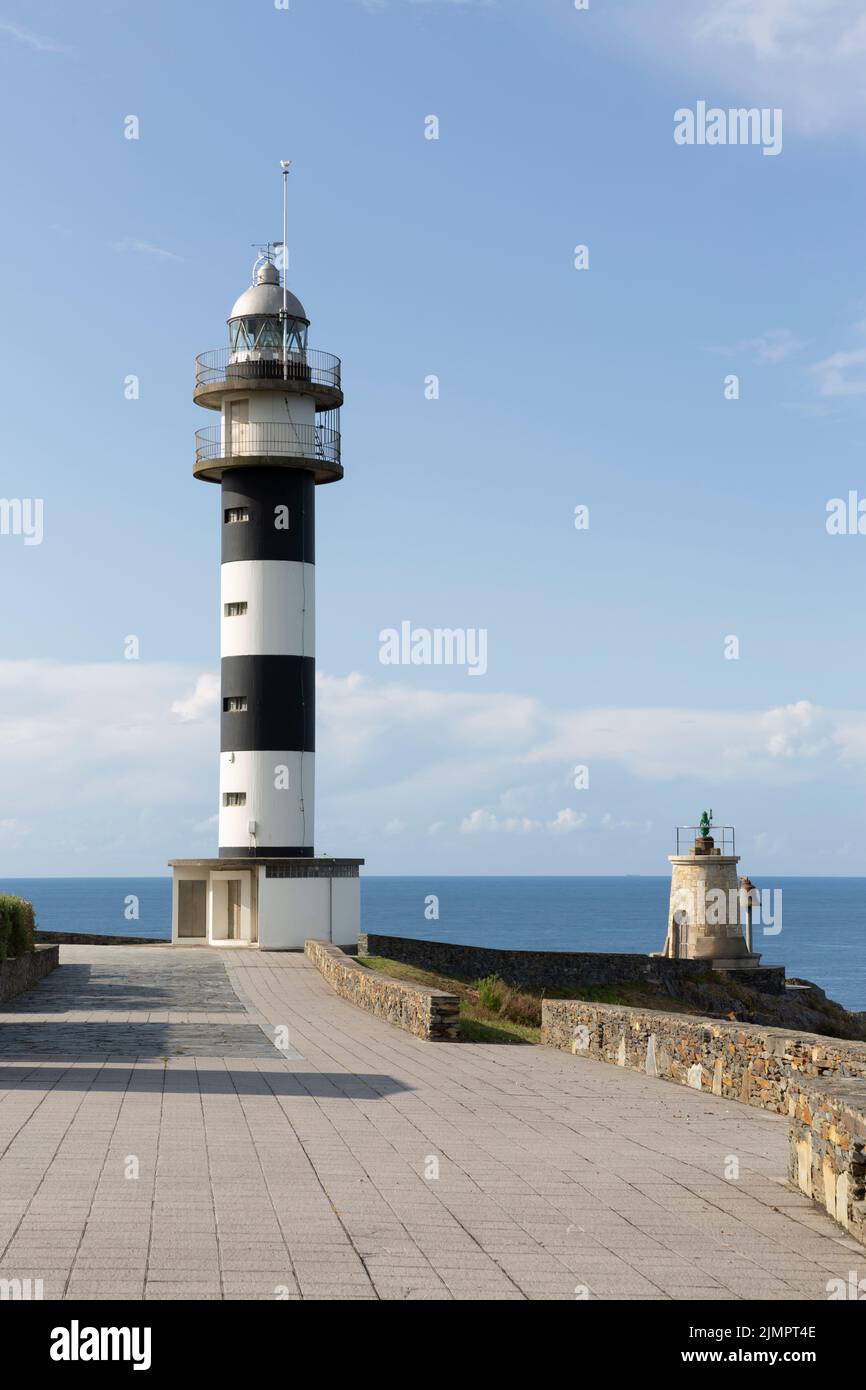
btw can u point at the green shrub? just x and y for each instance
(520, 1007)
(17, 925)
(490, 993)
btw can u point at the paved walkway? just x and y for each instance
(156, 1143)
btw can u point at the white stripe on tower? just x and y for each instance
(268, 608)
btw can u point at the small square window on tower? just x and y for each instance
(234, 704)
(235, 610)
(234, 798)
(233, 514)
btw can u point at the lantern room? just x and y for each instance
(258, 328)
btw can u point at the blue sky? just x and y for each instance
(558, 387)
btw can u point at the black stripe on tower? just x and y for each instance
(257, 493)
(280, 696)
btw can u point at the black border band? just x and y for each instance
(280, 692)
(259, 491)
(265, 852)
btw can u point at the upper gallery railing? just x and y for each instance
(224, 366)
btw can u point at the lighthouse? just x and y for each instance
(706, 900)
(275, 441)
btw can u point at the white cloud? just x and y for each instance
(769, 846)
(711, 745)
(803, 55)
(611, 822)
(774, 346)
(113, 764)
(12, 831)
(785, 30)
(465, 4)
(98, 768)
(769, 348)
(144, 248)
(799, 731)
(393, 736)
(487, 822)
(202, 702)
(842, 373)
(29, 39)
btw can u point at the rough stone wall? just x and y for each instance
(828, 1148)
(540, 969)
(427, 1013)
(20, 973)
(746, 1062)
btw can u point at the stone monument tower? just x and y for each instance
(704, 913)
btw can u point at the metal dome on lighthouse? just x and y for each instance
(266, 315)
(278, 437)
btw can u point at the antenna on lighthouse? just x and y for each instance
(285, 165)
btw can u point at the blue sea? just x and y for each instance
(823, 936)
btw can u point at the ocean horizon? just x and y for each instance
(822, 937)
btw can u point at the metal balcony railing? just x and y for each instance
(283, 440)
(223, 366)
(723, 836)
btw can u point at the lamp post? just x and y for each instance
(749, 894)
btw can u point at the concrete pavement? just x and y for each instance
(187, 1123)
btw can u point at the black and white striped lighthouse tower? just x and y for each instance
(277, 439)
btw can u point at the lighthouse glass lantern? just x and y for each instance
(277, 440)
(258, 328)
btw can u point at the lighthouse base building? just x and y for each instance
(275, 904)
(276, 442)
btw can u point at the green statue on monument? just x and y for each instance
(705, 824)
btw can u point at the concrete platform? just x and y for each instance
(351, 1160)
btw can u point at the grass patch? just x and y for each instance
(502, 1030)
(398, 971)
(490, 1011)
(593, 994)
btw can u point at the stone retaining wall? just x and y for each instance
(540, 969)
(20, 973)
(427, 1013)
(828, 1148)
(742, 1061)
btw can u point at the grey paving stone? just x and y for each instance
(137, 1041)
(261, 1170)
